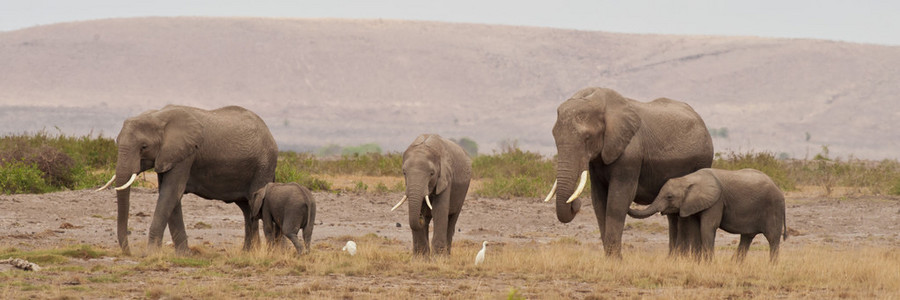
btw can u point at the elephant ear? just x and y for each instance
(444, 178)
(182, 135)
(701, 194)
(257, 200)
(622, 122)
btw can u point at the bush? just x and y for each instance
(289, 171)
(762, 161)
(513, 173)
(17, 177)
(63, 162)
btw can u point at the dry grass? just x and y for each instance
(565, 268)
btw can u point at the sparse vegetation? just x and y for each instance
(42, 163)
(805, 271)
(513, 173)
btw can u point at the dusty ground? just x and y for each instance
(87, 217)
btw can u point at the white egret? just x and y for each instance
(479, 258)
(350, 247)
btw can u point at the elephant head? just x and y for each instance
(685, 196)
(594, 123)
(426, 169)
(154, 139)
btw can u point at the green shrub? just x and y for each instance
(762, 161)
(63, 162)
(17, 177)
(513, 173)
(895, 187)
(514, 186)
(288, 171)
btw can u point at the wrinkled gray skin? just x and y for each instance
(630, 149)
(745, 202)
(440, 168)
(285, 208)
(224, 154)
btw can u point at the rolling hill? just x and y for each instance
(348, 82)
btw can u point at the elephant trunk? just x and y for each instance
(416, 196)
(653, 208)
(567, 176)
(127, 164)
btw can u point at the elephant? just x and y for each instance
(628, 149)
(225, 154)
(285, 208)
(437, 171)
(745, 202)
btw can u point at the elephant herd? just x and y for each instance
(657, 153)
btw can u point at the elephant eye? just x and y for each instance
(144, 147)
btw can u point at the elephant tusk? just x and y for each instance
(428, 201)
(552, 192)
(127, 184)
(580, 188)
(398, 203)
(108, 183)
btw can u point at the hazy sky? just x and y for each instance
(864, 21)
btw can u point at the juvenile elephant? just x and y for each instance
(285, 208)
(746, 202)
(630, 149)
(225, 154)
(437, 172)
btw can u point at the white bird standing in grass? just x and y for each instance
(479, 258)
(350, 247)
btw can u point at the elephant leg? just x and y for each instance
(176, 229)
(420, 238)
(441, 216)
(297, 245)
(269, 231)
(622, 190)
(708, 227)
(598, 199)
(289, 230)
(691, 236)
(251, 226)
(744, 246)
(171, 188)
(451, 229)
(676, 241)
(774, 238)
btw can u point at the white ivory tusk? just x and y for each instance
(580, 188)
(428, 201)
(108, 183)
(127, 184)
(398, 203)
(552, 192)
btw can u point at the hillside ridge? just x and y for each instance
(348, 82)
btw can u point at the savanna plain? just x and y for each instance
(843, 218)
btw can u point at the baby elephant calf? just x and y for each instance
(285, 208)
(746, 202)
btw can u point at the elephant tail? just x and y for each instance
(784, 222)
(310, 223)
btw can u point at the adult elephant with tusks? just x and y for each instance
(629, 149)
(437, 172)
(224, 154)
